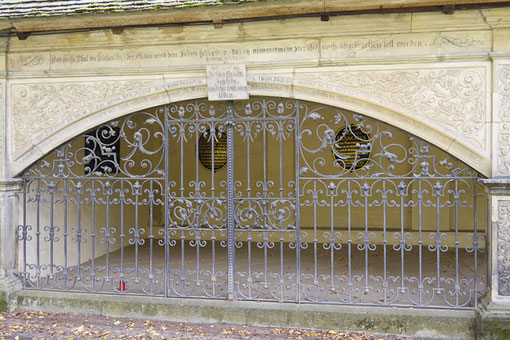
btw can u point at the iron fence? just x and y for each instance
(267, 199)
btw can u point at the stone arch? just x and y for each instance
(165, 91)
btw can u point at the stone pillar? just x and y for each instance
(9, 284)
(493, 314)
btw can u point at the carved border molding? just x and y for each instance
(448, 102)
(503, 248)
(503, 120)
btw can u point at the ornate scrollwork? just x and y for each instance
(503, 247)
(295, 216)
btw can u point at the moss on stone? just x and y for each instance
(4, 302)
(455, 325)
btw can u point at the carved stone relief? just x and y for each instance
(37, 107)
(503, 138)
(450, 97)
(2, 124)
(504, 247)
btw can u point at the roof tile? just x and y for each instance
(36, 8)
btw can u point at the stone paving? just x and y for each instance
(42, 325)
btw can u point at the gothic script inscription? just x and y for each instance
(227, 82)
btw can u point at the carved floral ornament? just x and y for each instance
(503, 117)
(37, 107)
(452, 98)
(503, 247)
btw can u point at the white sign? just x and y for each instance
(227, 82)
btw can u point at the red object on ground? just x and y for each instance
(122, 285)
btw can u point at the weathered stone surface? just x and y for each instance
(227, 82)
(424, 323)
(445, 105)
(493, 321)
(9, 289)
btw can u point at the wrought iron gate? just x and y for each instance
(267, 199)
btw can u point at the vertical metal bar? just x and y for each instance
(438, 235)
(385, 244)
(197, 197)
(349, 240)
(332, 235)
(183, 270)
(315, 255)
(248, 195)
(24, 233)
(183, 236)
(265, 194)
(230, 200)
(38, 230)
(93, 231)
(475, 242)
(420, 244)
(136, 234)
(151, 232)
(213, 182)
(166, 187)
(213, 237)
(51, 228)
(297, 207)
(280, 146)
(402, 240)
(367, 240)
(122, 235)
(107, 237)
(64, 195)
(213, 271)
(456, 200)
(78, 231)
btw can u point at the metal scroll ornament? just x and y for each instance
(352, 148)
(212, 146)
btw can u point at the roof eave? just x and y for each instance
(228, 12)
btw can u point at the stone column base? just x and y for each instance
(493, 320)
(9, 290)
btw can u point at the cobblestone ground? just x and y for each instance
(41, 325)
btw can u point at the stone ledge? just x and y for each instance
(493, 320)
(497, 186)
(433, 323)
(9, 289)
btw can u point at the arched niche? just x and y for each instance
(165, 92)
